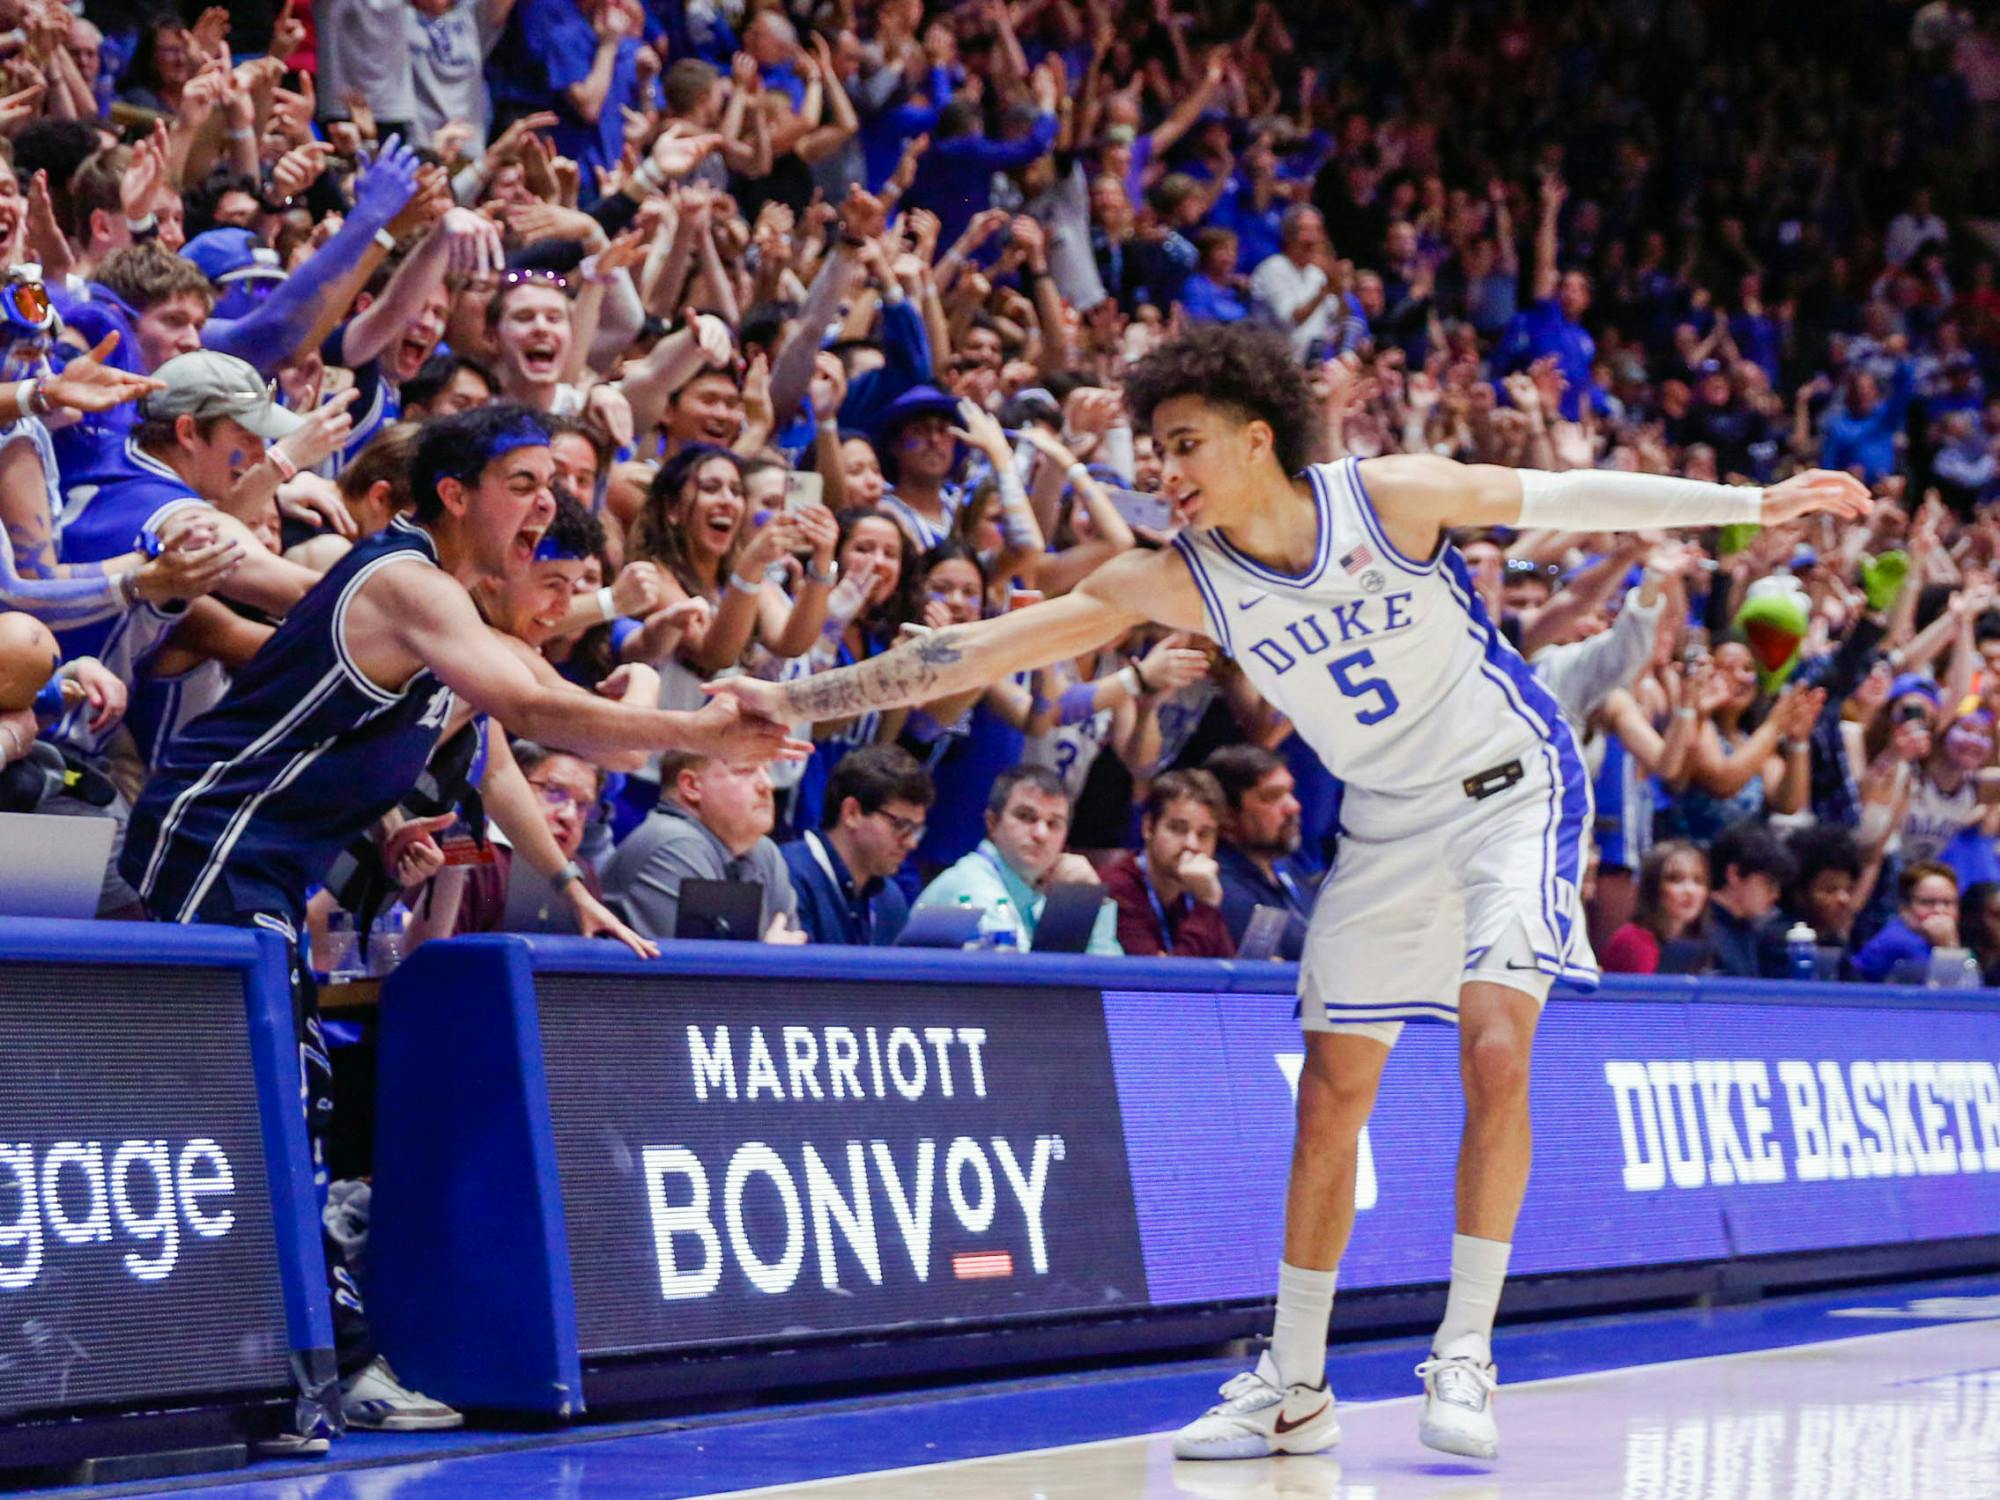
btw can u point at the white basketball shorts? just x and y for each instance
(1432, 890)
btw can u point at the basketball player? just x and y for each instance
(330, 725)
(1454, 895)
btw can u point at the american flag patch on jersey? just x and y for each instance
(1356, 560)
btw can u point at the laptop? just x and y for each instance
(1069, 913)
(533, 904)
(52, 866)
(939, 927)
(725, 910)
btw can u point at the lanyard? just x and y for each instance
(867, 916)
(1152, 897)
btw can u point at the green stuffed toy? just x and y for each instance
(1774, 620)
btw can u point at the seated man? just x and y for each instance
(713, 822)
(876, 801)
(1926, 919)
(1258, 851)
(1748, 870)
(1027, 822)
(1169, 896)
(473, 897)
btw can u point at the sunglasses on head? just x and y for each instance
(25, 301)
(537, 276)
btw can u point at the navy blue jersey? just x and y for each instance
(253, 800)
(378, 404)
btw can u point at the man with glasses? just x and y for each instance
(876, 802)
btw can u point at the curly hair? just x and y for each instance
(1248, 369)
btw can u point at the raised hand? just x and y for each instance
(316, 502)
(678, 151)
(288, 32)
(829, 385)
(387, 182)
(146, 178)
(983, 431)
(322, 433)
(1172, 665)
(473, 246)
(639, 589)
(88, 384)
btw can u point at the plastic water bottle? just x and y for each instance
(386, 940)
(1954, 969)
(999, 930)
(1800, 955)
(343, 949)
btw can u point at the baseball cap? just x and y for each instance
(208, 384)
(229, 255)
(1915, 682)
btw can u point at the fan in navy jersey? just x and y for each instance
(1454, 896)
(331, 724)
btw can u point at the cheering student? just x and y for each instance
(330, 725)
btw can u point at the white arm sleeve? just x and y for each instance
(1609, 500)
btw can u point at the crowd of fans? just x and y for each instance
(826, 310)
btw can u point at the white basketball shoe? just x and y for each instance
(1258, 1417)
(1458, 1406)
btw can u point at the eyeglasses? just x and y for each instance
(561, 796)
(909, 830)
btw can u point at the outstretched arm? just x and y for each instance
(402, 613)
(1418, 496)
(958, 658)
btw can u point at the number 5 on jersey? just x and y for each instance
(1342, 672)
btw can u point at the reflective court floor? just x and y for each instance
(1883, 1394)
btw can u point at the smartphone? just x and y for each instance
(1022, 598)
(804, 487)
(1694, 644)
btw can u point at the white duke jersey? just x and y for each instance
(1388, 667)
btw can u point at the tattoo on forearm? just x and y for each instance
(908, 674)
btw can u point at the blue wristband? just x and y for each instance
(1077, 703)
(49, 701)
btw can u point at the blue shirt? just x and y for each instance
(1543, 330)
(831, 910)
(1207, 301)
(955, 177)
(1868, 442)
(1245, 888)
(548, 46)
(1896, 944)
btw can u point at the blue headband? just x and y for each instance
(552, 548)
(530, 434)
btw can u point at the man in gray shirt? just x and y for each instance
(713, 823)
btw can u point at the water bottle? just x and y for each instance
(343, 949)
(386, 940)
(999, 931)
(1800, 945)
(1953, 969)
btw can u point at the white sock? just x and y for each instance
(1298, 1338)
(1478, 1271)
